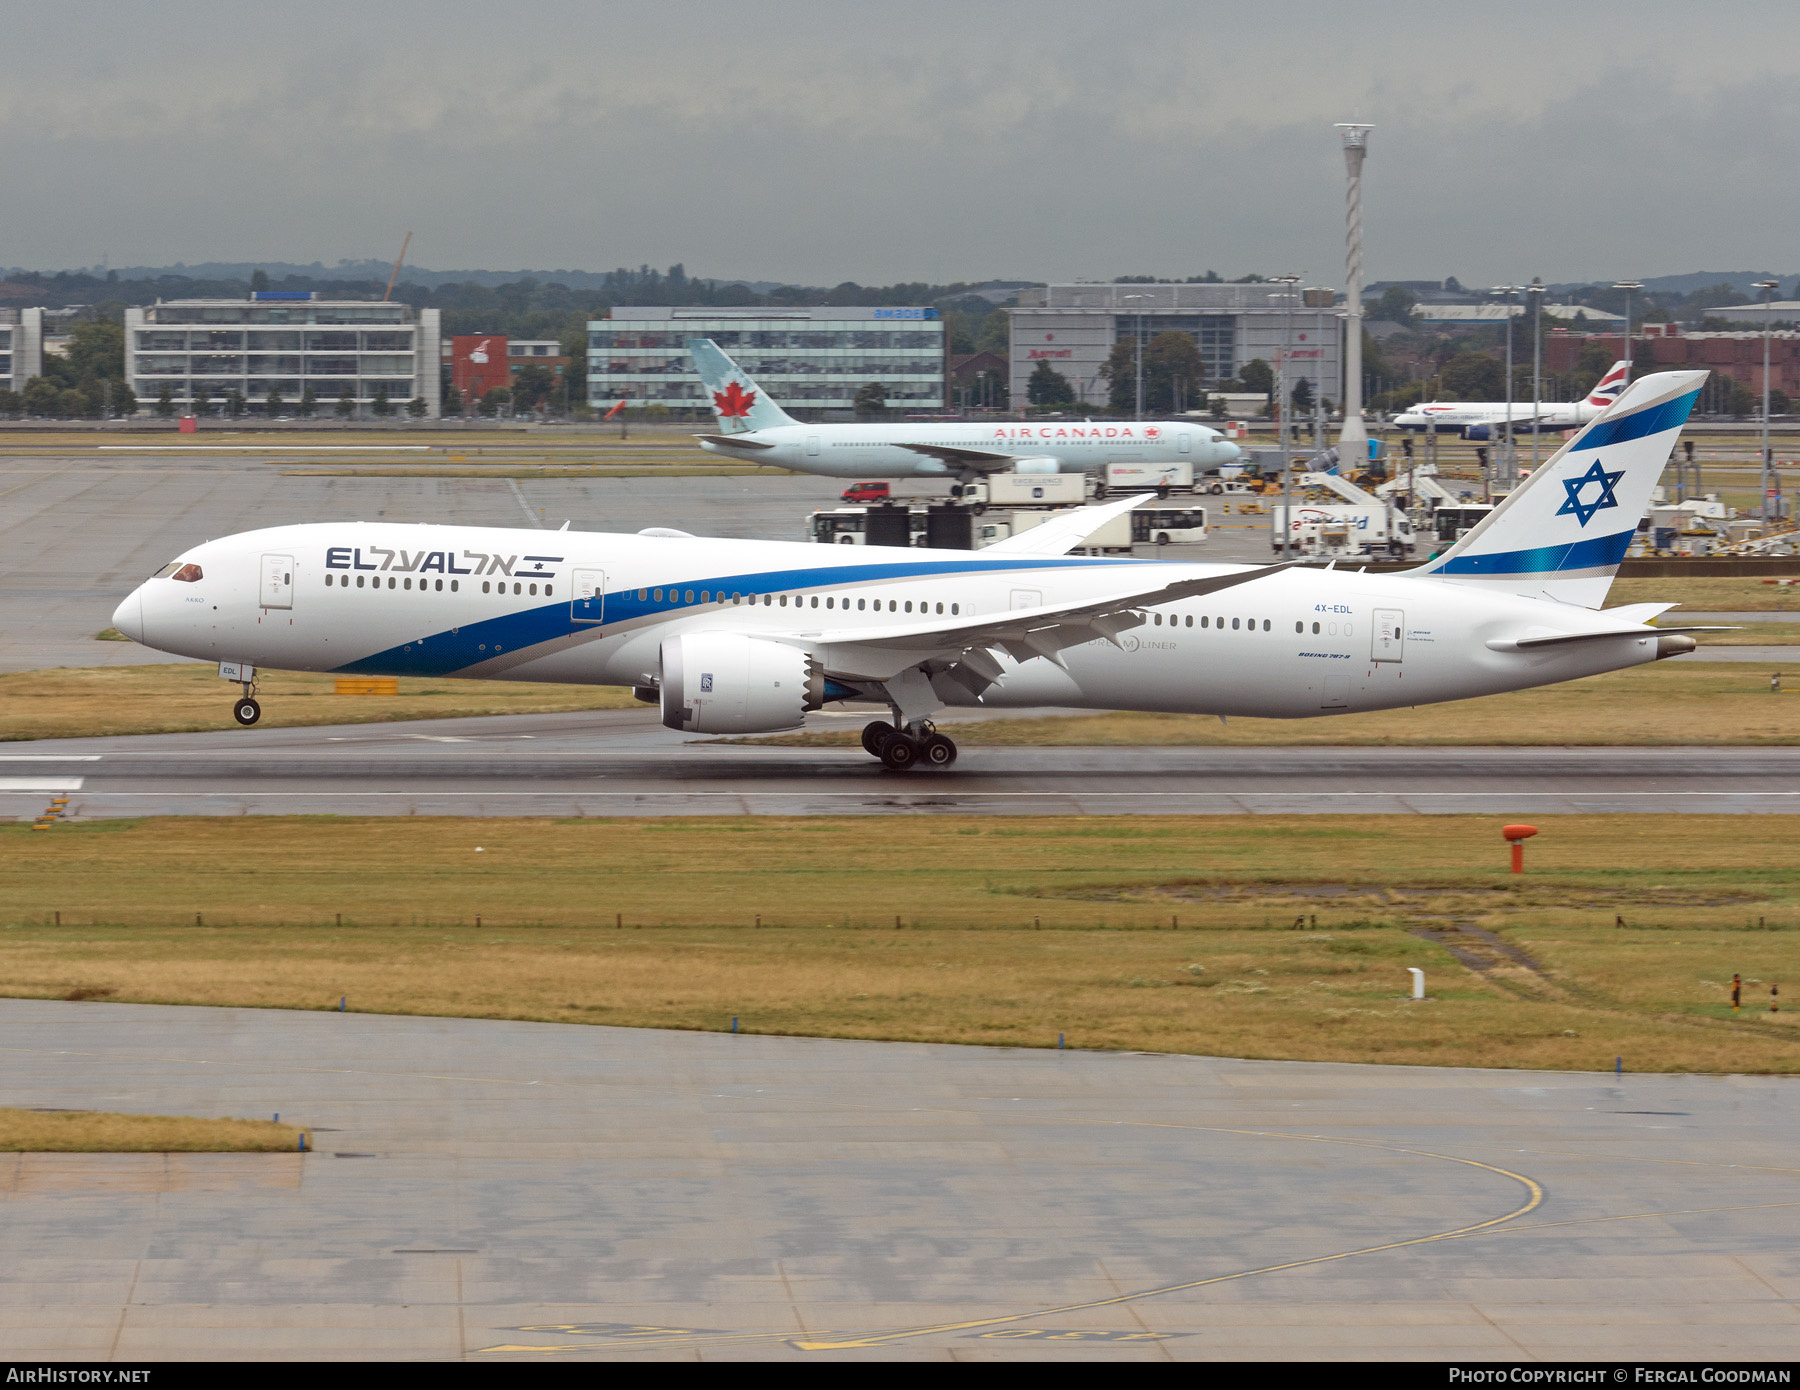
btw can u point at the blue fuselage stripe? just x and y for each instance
(446, 652)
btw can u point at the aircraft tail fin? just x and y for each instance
(1562, 532)
(738, 403)
(1607, 389)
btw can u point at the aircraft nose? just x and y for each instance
(1228, 453)
(128, 617)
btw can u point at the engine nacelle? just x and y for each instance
(1037, 465)
(728, 683)
(1479, 433)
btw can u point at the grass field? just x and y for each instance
(1246, 936)
(92, 1131)
(1706, 595)
(88, 701)
(1666, 703)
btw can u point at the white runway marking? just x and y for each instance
(40, 784)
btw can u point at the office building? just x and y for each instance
(1074, 328)
(807, 359)
(285, 342)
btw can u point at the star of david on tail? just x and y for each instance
(1584, 511)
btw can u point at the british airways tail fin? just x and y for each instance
(738, 403)
(1563, 531)
(1607, 389)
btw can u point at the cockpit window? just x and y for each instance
(167, 570)
(187, 574)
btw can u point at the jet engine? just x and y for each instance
(1037, 465)
(728, 683)
(1479, 433)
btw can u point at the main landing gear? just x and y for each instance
(901, 749)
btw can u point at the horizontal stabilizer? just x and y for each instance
(1556, 639)
(733, 441)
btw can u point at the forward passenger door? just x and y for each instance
(588, 603)
(277, 587)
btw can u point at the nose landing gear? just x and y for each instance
(900, 749)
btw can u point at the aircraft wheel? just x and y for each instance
(246, 711)
(874, 735)
(939, 751)
(899, 752)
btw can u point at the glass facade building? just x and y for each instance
(356, 348)
(809, 359)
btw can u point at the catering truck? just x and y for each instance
(1024, 490)
(1342, 529)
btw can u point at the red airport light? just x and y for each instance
(1516, 836)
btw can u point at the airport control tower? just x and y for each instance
(1353, 435)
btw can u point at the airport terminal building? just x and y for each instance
(1074, 328)
(284, 341)
(808, 359)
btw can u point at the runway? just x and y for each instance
(624, 763)
(497, 1191)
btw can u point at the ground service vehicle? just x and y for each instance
(1025, 490)
(866, 492)
(1160, 478)
(1168, 525)
(1342, 529)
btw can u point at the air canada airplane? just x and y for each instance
(753, 428)
(745, 636)
(1480, 419)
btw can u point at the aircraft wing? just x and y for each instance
(1063, 531)
(975, 460)
(733, 441)
(962, 647)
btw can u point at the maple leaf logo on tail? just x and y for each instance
(733, 403)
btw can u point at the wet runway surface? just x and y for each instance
(624, 763)
(495, 1191)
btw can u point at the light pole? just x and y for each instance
(1319, 296)
(1353, 436)
(1628, 286)
(1138, 334)
(1536, 291)
(1508, 470)
(1281, 411)
(1769, 485)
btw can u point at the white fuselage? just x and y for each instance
(1459, 415)
(594, 608)
(879, 451)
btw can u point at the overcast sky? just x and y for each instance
(787, 140)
